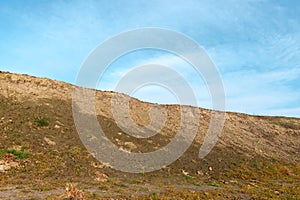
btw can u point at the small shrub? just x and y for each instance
(18, 154)
(41, 121)
(255, 165)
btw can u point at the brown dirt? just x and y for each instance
(254, 155)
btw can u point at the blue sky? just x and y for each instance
(255, 45)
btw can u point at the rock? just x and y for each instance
(98, 165)
(130, 145)
(59, 123)
(56, 126)
(125, 150)
(100, 177)
(233, 181)
(6, 165)
(199, 172)
(4, 168)
(184, 172)
(49, 142)
(206, 193)
(210, 168)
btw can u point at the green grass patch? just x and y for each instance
(187, 177)
(41, 122)
(18, 154)
(213, 184)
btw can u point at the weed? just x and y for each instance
(187, 177)
(213, 184)
(41, 121)
(24, 148)
(255, 165)
(18, 154)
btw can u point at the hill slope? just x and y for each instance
(40, 150)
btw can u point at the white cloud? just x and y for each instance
(255, 44)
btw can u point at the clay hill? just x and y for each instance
(42, 156)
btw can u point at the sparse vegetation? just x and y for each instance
(256, 158)
(18, 154)
(41, 121)
(289, 123)
(72, 193)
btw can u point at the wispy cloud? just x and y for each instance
(254, 43)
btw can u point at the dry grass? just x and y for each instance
(51, 153)
(72, 193)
